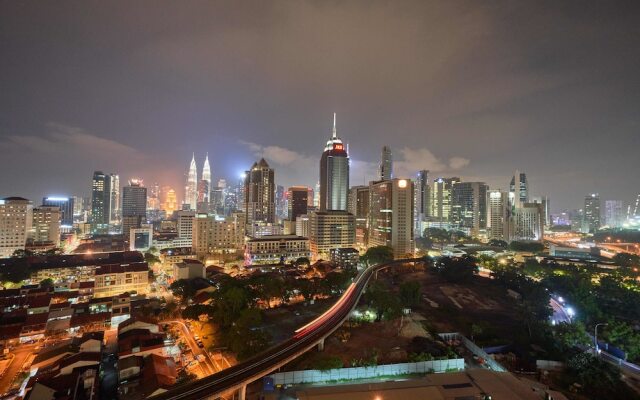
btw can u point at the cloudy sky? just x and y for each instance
(475, 89)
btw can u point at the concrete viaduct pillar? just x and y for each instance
(321, 345)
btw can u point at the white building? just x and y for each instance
(46, 224)
(331, 230)
(15, 223)
(391, 215)
(527, 223)
(188, 269)
(498, 215)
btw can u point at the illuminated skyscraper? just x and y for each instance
(101, 195)
(191, 188)
(206, 176)
(115, 211)
(259, 188)
(298, 201)
(440, 202)
(469, 206)
(421, 202)
(518, 192)
(613, 213)
(498, 214)
(170, 201)
(46, 225)
(334, 174)
(134, 206)
(591, 221)
(386, 164)
(391, 215)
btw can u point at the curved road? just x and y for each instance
(304, 339)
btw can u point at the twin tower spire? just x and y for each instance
(197, 190)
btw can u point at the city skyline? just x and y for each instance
(462, 96)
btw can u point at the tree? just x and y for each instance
(570, 335)
(410, 293)
(194, 312)
(327, 362)
(624, 336)
(378, 255)
(533, 247)
(598, 378)
(151, 258)
(457, 269)
(627, 260)
(46, 283)
(382, 301)
(498, 243)
(182, 288)
(244, 337)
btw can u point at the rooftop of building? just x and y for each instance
(122, 268)
(272, 238)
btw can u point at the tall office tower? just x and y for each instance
(222, 183)
(115, 211)
(101, 196)
(330, 230)
(217, 197)
(184, 223)
(613, 213)
(239, 189)
(591, 222)
(334, 174)
(636, 209)
(15, 224)
(281, 202)
(78, 208)
(260, 208)
(498, 212)
(440, 202)
(202, 205)
(302, 226)
(546, 212)
(359, 207)
(66, 206)
(191, 187)
(420, 202)
(526, 223)
(170, 203)
(298, 201)
(469, 206)
(310, 197)
(518, 193)
(46, 225)
(391, 215)
(386, 164)
(134, 206)
(206, 176)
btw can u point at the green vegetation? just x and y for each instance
(598, 378)
(382, 301)
(377, 255)
(327, 362)
(410, 293)
(457, 269)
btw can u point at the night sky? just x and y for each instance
(473, 89)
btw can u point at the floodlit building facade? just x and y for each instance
(330, 230)
(276, 249)
(391, 215)
(15, 223)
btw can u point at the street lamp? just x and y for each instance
(595, 336)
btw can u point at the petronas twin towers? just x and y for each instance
(197, 191)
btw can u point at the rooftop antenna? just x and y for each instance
(334, 126)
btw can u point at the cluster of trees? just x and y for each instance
(532, 247)
(598, 378)
(388, 304)
(440, 236)
(377, 255)
(457, 269)
(627, 260)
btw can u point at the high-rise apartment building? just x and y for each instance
(259, 202)
(46, 225)
(386, 164)
(440, 201)
(391, 215)
(211, 235)
(334, 174)
(191, 186)
(170, 204)
(518, 189)
(591, 222)
(359, 207)
(614, 215)
(184, 224)
(546, 212)
(281, 200)
(134, 206)
(66, 206)
(469, 206)
(15, 224)
(498, 214)
(101, 196)
(298, 201)
(330, 230)
(421, 202)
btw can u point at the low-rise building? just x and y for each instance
(114, 279)
(189, 269)
(345, 257)
(276, 249)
